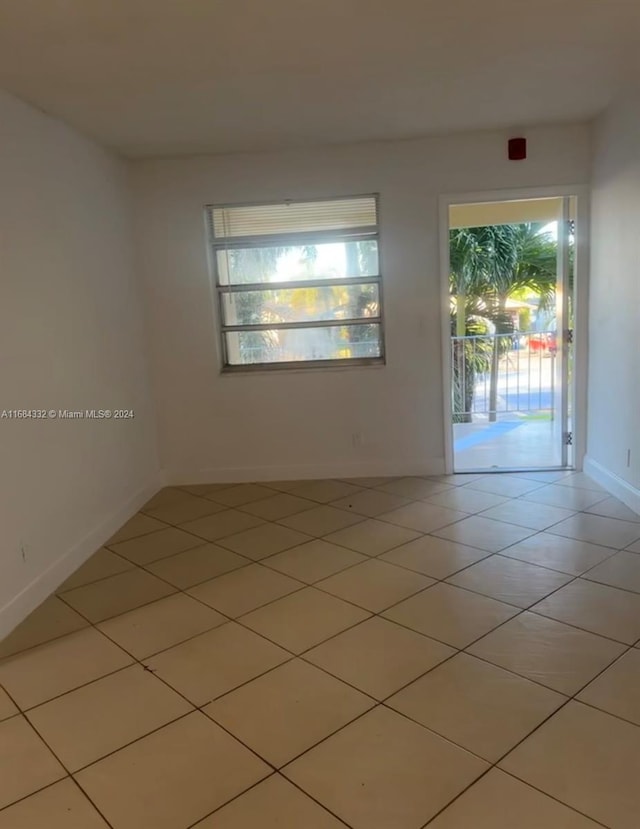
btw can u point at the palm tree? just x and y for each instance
(471, 357)
(491, 264)
(522, 258)
(258, 266)
(468, 265)
(468, 269)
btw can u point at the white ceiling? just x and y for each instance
(164, 77)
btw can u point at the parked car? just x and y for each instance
(545, 342)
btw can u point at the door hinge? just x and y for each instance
(571, 226)
(568, 336)
(568, 438)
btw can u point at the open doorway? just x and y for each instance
(511, 317)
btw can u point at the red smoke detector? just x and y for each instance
(517, 149)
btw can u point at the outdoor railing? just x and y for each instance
(500, 373)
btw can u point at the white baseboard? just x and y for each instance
(617, 486)
(21, 605)
(368, 469)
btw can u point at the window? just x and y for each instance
(298, 283)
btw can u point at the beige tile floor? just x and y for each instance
(459, 652)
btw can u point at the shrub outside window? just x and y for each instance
(298, 283)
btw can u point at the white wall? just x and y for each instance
(614, 325)
(301, 424)
(70, 338)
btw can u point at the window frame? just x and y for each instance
(294, 239)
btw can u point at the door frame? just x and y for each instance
(580, 295)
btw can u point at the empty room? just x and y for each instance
(319, 414)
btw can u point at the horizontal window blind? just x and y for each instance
(356, 214)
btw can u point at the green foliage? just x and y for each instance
(269, 304)
(471, 356)
(524, 319)
(489, 265)
(253, 265)
(362, 259)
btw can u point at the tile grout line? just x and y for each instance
(68, 776)
(293, 655)
(68, 773)
(194, 709)
(412, 501)
(303, 585)
(301, 655)
(200, 707)
(339, 729)
(382, 703)
(308, 585)
(276, 773)
(569, 699)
